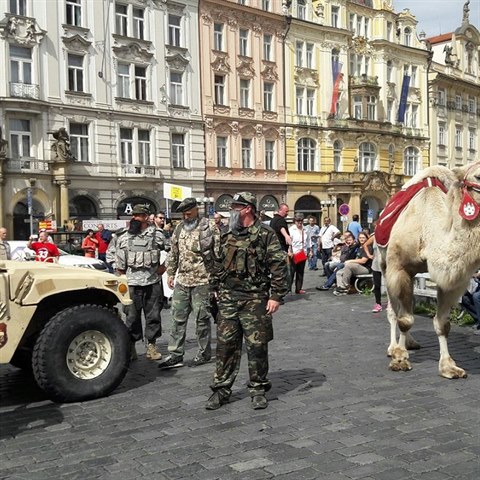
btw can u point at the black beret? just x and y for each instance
(186, 205)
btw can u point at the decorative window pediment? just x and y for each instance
(270, 72)
(306, 76)
(245, 67)
(220, 64)
(248, 131)
(76, 44)
(177, 62)
(21, 30)
(133, 53)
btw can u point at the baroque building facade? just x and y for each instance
(357, 122)
(100, 105)
(454, 85)
(241, 46)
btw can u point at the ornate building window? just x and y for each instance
(389, 71)
(269, 155)
(299, 54)
(222, 152)
(310, 102)
(144, 147)
(367, 157)
(299, 99)
(79, 141)
(306, 151)
(268, 97)
(337, 156)
(371, 107)
(335, 16)
(219, 89)
(178, 150)
(243, 42)
(123, 80)
(20, 65)
(407, 37)
(126, 146)
(357, 107)
(302, 9)
(18, 7)
(244, 93)
(132, 81)
(247, 153)
(267, 47)
(442, 139)
(176, 88)
(266, 5)
(73, 12)
(140, 82)
(121, 19)
(218, 36)
(20, 138)
(75, 73)
(174, 30)
(309, 55)
(139, 23)
(458, 137)
(472, 139)
(411, 161)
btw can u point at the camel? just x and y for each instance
(437, 232)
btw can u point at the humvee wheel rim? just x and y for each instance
(89, 355)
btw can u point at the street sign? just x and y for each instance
(344, 209)
(344, 218)
(370, 216)
(29, 200)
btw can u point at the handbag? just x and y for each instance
(300, 256)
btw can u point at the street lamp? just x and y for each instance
(328, 204)
(207, 202)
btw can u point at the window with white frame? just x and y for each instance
(389, 31)
(144, 147)
(302, 9)
(358, 27)
(138, 23)
(472, 139)
(176, 88)
(20, 138)
(244, 93)
(367, 157)
(472, 105)
(79, 141)
(458, 102)
(310, 101)
(366, 27)
(309, 55)
(299, 54)
(266, 5)
(123, 80)
(299, 99)
(413, 76)
(21, 65)
(129, 21)
(268, 97)
(218, 36)
(441, 97)
(411, 162)
(407, 37)
(269, 155)
(140, 82)
(335, 16)
(126, 146)
(243, 42)
(121, 19)
(174, 30)
(306, 151)
(75, 73)
(18, 7)
(247, 153)
(73, 12)
(414, 116)
(458, 137)
(357, 107)
(359, 64)
(267, 47)
(337, 156)
(389, 111)
(178, 150)
(371, 107)
(351, 23)
(132, 81)
(442, 139)
(222, 159)
(219, 89)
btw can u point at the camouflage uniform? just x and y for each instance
(191, 292)
(251, 269)
(139, 256)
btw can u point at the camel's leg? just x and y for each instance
(445, 300)
(392, 319)
(400, 293)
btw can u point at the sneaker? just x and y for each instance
(300, 292)
(338, 292)
(323, 287)
(216, 400)
(171, 362)
(197, 361)
(133, 352)
(377, 308)
(259, 402)
(152, 352)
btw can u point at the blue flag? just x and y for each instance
(403, 99)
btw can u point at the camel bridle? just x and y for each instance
(469, 208)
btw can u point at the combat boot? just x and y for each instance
(216, 400)
(259, 402)
(152, 352)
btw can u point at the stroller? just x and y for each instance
(466, 302)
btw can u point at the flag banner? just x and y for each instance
(403, 99)
(337, 78)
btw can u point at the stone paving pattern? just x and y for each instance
(336, 411)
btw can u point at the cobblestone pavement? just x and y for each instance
(336, 411)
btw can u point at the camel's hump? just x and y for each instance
(444, 174)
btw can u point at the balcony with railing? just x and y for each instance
(27, 165)
(24, 90)
(137, 170)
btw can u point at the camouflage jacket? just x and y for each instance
(252, 263)
(187, 256)
(139, 256)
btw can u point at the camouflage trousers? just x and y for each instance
(240, 319)
(186, 300)
(148, 298)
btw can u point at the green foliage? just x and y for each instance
(457, 315)
(424, 308)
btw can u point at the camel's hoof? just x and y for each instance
(401, 365)
(413, 345)
(448, 369)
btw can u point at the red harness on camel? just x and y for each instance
(469, 209)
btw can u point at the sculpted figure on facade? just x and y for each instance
(12, 25)
(3, 145)
(61, 146)
(319, 12)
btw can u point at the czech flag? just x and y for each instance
(337, 78)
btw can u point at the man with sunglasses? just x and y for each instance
(250, 277)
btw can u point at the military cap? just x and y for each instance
(187, 205)
(244, 198)
(140, 209)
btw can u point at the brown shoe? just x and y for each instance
(152, 352)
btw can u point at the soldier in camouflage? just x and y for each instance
(192, 245)
(252, 278)
(137, 254)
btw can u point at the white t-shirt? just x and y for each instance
(327, 234)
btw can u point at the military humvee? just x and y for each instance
(61, 323)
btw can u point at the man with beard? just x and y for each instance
(192, 246)
(251, 277)
(137, 255)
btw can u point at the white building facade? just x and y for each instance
(122, 78)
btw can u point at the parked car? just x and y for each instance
(22, 253)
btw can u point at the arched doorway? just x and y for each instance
(21, 219)
(82, 208)
(309, 205)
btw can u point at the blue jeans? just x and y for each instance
(312, 260)
(333, 277)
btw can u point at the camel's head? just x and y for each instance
(469, 182)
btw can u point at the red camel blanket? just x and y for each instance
(397, 204)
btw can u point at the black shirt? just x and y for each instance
(277, 223)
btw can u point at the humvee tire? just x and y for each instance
(82, 353)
